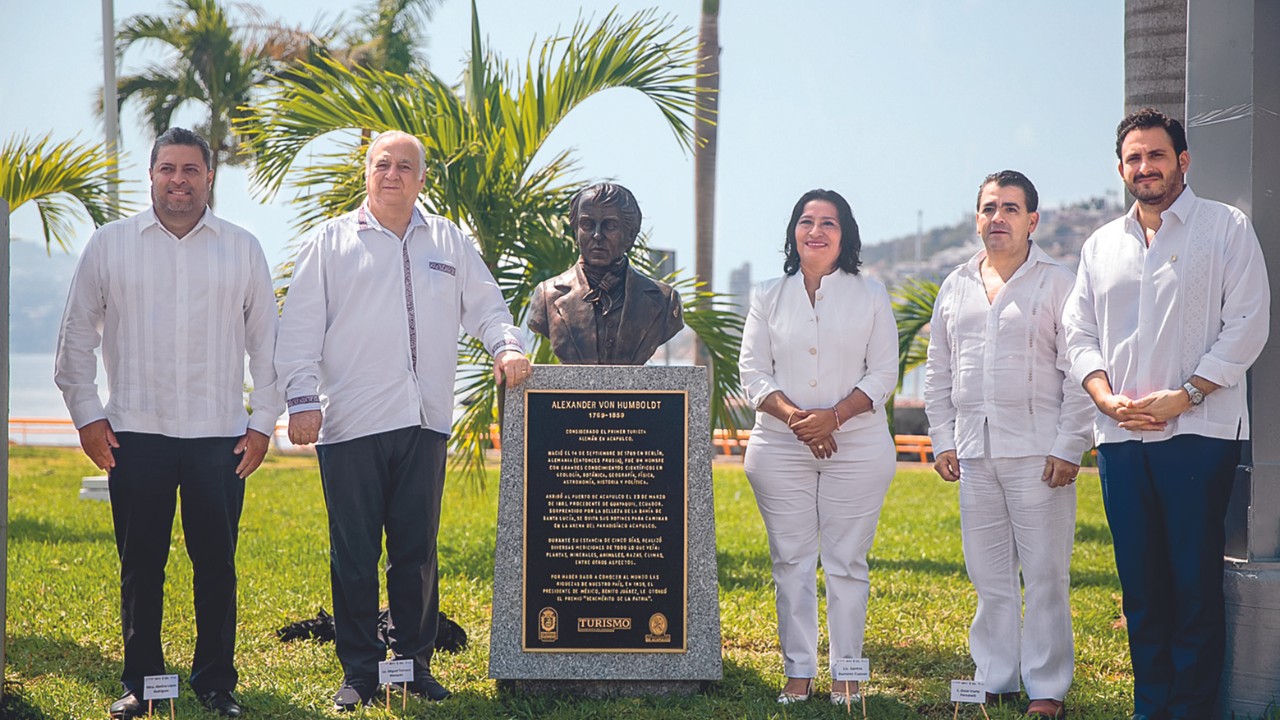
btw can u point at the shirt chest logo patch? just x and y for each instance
(443, 267)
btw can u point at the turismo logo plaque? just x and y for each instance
(547, 625)
(657, 629)
(606, 521)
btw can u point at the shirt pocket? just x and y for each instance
(442, 279)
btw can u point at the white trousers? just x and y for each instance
(1011, 520)
(826, 508)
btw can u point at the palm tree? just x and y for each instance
(391, 36)
(211, 66)
(62, 179)
(481, 139)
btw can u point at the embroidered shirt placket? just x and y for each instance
(182, 317)
(411, 319)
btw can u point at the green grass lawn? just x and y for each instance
(64, 648)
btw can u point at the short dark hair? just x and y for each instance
(850, 240)
(609, 194)
(1149, 118)
(1012, 178)
(181, 136)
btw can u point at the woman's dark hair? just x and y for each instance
(850, 241)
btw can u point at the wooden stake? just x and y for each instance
(956, 714)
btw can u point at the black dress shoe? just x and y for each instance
(354, 693)
(128, 706)
(221, 702)
(426, 686)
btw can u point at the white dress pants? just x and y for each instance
(826, 508)
(1009, 520)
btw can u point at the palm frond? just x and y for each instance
(63, 179)
(913, 309)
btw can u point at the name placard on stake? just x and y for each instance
(395, 672)
(971, 692)
(851, 669)
(159, 687)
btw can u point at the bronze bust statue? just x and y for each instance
(601, 311)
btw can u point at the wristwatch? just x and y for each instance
(1194, 393)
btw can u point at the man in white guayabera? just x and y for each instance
(1008, 422)
(175, 296)
(1170, 309)
(367, 356)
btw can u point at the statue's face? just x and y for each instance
(602, 236)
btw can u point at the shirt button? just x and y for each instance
(813, 351)
(817, 296)
(813, 383)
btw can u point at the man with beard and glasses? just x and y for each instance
(1170, 308)
(175, 296)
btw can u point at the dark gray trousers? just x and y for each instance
(150, 472)
(390, 481)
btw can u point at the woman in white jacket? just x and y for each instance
(819, 359)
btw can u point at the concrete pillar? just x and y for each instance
(1155, 56)
(1233, 130)
(4, 454)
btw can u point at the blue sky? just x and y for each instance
(902, 107)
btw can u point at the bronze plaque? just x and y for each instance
(605, 523)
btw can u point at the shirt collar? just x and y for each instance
(365, 220)
(1035, 255)
(1181, 208)
(149, 218)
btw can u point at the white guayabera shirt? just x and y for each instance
(1196, 302)
(175, 317)
(370, 327)
(1002, 365)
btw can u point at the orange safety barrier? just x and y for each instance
(727, 441)
(21, 428)
(914, 444)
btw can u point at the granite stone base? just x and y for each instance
(598, 673)
(604, 689)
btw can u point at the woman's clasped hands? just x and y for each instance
(816, 429)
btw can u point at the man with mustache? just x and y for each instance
(1170, 308)
(367, 356)
(1010, 425)
(176, 297)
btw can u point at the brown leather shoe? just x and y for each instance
(1047, 708)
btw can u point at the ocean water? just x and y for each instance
(32, 394)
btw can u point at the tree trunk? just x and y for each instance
(704, 153)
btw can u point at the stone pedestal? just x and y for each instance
(1233, 91)
(605, 570)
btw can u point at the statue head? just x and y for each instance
(606, 220)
